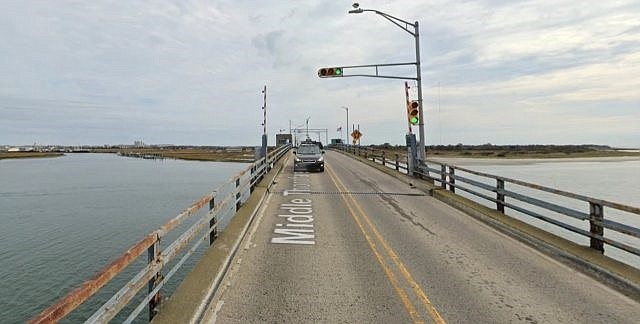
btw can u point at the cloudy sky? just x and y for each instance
(191, 72)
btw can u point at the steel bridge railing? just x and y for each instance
(562, 209)
(228, 197)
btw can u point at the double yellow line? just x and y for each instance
(359, 215)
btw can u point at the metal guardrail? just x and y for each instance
(230, 195)
(449, 177)
(395, 160)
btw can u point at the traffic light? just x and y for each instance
(412, 112)
(330, 72)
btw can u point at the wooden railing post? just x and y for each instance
(153, 254)
(500, 195)
(384, 160)
(596, 214)
(443, 176)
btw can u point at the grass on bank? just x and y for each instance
(28, 155)
(193, 154)
(512, 151)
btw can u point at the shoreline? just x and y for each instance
(28, 155)
(174, 155)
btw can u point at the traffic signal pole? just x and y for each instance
(406, 92)
(422, 147)
(339, 71)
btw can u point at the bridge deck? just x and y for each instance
(387, 253)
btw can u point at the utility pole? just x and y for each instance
(263, 150)
(347, 125)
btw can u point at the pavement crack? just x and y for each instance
(398, 209)
(396, 206)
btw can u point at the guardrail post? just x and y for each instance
(153, 253)
(384, 160)
(596, 214)
(409, 166)
(500, 195)
(251, 178)
(452, 180)
(213, 229)
(397, 162)
(443, 176)
(239, 194)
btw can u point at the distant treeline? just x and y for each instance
(508, 148)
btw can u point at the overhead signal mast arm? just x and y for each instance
(328, 72)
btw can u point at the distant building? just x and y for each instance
(138, 144)
(283, 139)
(20, 149)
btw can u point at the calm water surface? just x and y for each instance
(63, 219)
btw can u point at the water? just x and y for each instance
(613, 179)
(63, 219)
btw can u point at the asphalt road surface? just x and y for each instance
(355, 245)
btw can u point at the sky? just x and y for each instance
(191, 72)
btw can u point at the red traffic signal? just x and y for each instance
(412, 112)
(330, 72)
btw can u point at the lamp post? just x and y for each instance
(416, 34)
(347, 109)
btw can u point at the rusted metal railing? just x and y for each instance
(229, 196)
(450, 177)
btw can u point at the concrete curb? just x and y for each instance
(190, 300)
(618, 275)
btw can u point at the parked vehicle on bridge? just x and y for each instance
(309, 156)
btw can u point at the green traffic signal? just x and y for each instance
(414, 120)
(330, 72)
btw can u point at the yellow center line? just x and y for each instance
(415, 317)
(403, 270)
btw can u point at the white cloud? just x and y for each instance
(192, 71)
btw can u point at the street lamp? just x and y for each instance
(347, 138)
(416, 34)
